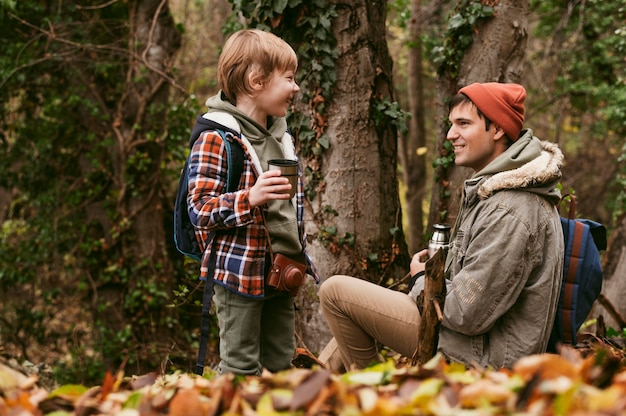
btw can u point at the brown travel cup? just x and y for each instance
(289, 169)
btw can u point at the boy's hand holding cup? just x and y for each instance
(289, 169)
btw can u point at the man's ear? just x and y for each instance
(499, 133)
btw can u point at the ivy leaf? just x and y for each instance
(456, 21)
(279, 6)
(325, 22)
(324, 141)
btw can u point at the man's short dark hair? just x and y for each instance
(459, 99)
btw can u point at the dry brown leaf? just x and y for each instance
(107, 385)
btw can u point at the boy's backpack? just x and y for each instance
(184, 233)
(582, 275)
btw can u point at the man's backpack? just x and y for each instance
(582, 275)
(184, 233)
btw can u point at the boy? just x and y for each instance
(256, 74)
(504, 266)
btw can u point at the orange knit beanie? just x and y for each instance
(503, 104)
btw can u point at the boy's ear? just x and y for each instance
(255, 80)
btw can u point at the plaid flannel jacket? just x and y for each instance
(240, 243)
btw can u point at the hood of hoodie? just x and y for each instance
(249, 128)
(529, 164)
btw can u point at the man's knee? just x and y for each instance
(330, 287)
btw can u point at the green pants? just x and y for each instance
(254, 333)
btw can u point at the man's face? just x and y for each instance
(474, 146)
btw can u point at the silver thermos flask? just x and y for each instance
(440, 239)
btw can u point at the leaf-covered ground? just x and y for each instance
(589, 381)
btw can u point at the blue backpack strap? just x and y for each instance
(184, 232)
(235, 156)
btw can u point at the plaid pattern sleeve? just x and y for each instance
(240, 242)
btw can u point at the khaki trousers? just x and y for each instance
(360, 313)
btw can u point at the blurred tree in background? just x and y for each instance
(92, 116)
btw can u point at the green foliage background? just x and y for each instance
(61, 166)
(584, 45)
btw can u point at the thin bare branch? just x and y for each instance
(97, 6)
(51, 35)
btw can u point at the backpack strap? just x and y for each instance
(235, 163)
(205, 321)
(222, 123)
(569, 285)
(574, 245)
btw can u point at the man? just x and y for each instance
(504, 266)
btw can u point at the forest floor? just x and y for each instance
(588, 379)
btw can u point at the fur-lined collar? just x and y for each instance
(542, 170)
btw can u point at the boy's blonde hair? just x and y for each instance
(252, 50)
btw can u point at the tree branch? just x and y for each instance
(430, 304)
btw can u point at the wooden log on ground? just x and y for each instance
(331, 357)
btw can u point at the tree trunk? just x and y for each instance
(415, 159)
(614, 270)
(359, 168)
(139, 112)
(496, 55)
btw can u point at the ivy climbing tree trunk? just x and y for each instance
(496, 54)
(355, 221)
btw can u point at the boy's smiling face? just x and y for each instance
(277, 94)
